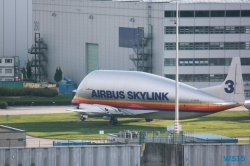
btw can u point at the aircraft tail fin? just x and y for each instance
(232, 88)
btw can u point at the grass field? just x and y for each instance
(68, 126)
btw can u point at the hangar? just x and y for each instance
(87, 35)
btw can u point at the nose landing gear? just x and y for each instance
(113, 121)
(149, 120)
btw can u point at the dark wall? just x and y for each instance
(161, 154)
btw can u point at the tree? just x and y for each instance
(28, 67)
(58, 75)
(24, 73)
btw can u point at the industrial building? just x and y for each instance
(9, 67)
(83, 36)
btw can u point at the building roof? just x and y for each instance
(211, 1)
(190, 1)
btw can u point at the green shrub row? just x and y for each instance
(39, 92)
(3, 104)
(38, 103)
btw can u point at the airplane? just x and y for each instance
(247, 105)
(111, 94)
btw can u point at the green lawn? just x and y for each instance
(68, 126)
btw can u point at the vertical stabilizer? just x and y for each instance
(232, 88)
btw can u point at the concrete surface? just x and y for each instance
(34, 110)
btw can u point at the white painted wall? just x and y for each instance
(15, 29)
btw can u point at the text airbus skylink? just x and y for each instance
(130, 95)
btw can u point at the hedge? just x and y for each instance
(38, 92)
(38, 103)
(3, 104)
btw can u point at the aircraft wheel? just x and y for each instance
(116, 121)
(149, 120)
(82, 118)
(113, 121)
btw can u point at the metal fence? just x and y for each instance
(122, 155)
(170, 137)
(11, 84)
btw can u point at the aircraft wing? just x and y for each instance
(105, 110)
(95, 109)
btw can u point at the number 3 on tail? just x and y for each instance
(230, 86)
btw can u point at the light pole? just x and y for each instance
(176, 124)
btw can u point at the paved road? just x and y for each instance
(240, 108)
(34, 110)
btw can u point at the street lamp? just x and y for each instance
(176, 123)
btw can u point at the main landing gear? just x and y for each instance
(113, 121)
(82, 118)
(149, 120)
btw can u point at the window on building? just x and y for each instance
(217, 61)
(169, 46)
(170, 76)
(216, 46)
(245, 61)
(8, 71)
(232, 46)
(232, 29)
(232, 13)
(0, 71)
(8, 60)
(169, 62)
(246, 29)
(170, 30)
(244, 45)
(201, 46)
(228, 61)
(201, 78)
(217, 77)
(186, 62)
(201, 30)
(201, 13)
(217, 29)
(246, 77)
(208, 30)
(186, 78)
(245, 13)
(186, 30)
(186, 46)
(170, 13)
(0, 60)
(187, 13)
(201, 62)
(217, 13)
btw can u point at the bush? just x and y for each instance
(3, 104)
(39, 92)
(38, 103)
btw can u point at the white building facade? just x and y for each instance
(83, 36)
(7, 69)
(15, 29)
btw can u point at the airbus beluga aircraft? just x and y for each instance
(111, 94)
